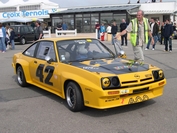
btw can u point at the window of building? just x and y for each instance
(94, 19)
(29, 7)
(55, 22)
(8, 9)
(106, 18)
(118, 18)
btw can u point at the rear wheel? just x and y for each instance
(23, 41)
(74, 97)
(21, 77)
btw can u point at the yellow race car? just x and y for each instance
(87, 73)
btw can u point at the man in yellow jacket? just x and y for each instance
(139, 29)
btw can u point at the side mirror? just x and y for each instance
(122, 52)
(48, 59)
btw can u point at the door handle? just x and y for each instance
(35, 62)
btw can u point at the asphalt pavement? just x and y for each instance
(32, 110)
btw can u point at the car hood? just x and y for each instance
(114, 66)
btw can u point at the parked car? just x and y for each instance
(23, 33)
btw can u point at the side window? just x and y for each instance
(26, 30)
(30, 51)
(22, 30)
(30, 29)
(46, 48)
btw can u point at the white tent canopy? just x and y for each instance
(22, 2)
(21, 20)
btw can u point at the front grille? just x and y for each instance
(145, 79)
(132, 81)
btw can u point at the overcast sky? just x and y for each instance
(77, 3)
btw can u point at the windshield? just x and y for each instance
(81, 50)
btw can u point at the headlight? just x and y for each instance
(158, 74)
(115, 81)
(110, 82)
(106, 82)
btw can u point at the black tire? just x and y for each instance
(21, 77)
(74, 97)
(22, 41)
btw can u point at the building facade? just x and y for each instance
(84, 18)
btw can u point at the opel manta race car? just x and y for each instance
(87, 73)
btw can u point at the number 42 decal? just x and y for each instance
(48, 69)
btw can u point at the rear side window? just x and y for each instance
(30, 51)
(46, 48)
(22, 29)
(26, 30)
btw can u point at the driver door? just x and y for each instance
(42, 72)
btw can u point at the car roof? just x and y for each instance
(66, 38)
(19, 25)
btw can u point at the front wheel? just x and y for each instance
(21, 77)
(74, 97)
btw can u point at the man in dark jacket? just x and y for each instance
(114, 30)
(168, 31)
(38, 31)
(123, 26)
(155, 31)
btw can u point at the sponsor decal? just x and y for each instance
(111, 99)
(86, 102)
(90, 67)
(138, 99)
(124, 91)
(124, 67)
(87, 89)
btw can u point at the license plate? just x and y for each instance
(138, 99)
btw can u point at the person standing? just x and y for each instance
(108, 29)
(38, 31)
(102, 31)
(59, 27)
(154, 31)
(123, 26)
(64, 27)
(12, 37)
(114, 30)
(139, 29)
(97, 26)
(168, 31)
(2, 38)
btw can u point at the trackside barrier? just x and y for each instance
(61, 33)
(47, 33)
(96, 33)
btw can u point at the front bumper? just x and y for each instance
(103, 99)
